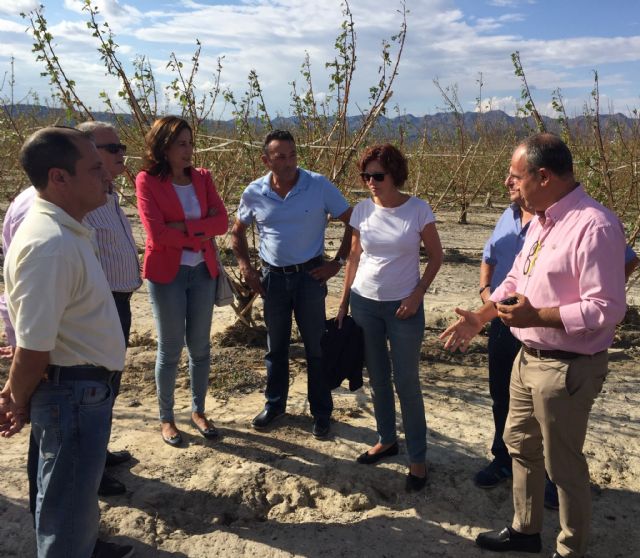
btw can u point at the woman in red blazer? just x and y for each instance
(181, 213)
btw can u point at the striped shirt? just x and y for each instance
(116, 246)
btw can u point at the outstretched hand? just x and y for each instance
(460, 334)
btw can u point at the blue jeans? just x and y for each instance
(182, 311)
(399, 361)
(503, 349)
(70, 427)
(304, 296)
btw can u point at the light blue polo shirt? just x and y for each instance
(505, 243)
(292, 229)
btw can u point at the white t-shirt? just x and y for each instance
(58, 297)
(191, 207)
(389, 266)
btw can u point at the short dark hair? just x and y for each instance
(279, 135)
(548, 151)
(159, 138)
(49, 148)
(391, 159)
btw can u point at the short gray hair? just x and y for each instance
(91, 126)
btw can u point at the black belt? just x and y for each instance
(554, 354)
(121, 296)
(295, 268)
(87, 372)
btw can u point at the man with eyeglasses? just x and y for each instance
(118, 256)
(290, 207)
(568, 286)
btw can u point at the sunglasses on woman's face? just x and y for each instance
(113, 147)
(377, 176)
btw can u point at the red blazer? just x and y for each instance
(159, 204)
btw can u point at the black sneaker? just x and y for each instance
(492, 475)
(321, 427)
(104, 549)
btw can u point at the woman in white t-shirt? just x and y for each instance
(385, 290)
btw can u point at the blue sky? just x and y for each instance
(560, 42)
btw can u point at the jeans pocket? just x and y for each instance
(46, 429)
(93, 396)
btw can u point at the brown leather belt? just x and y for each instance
(555, 354)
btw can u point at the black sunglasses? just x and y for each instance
(377, 176)
(113, 147)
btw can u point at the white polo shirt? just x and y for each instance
(58, 297)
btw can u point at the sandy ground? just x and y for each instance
(283, 493)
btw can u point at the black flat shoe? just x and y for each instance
(117, 457)
(265, 417)
(370, 458)
(415, 484)
(173, 441)
(508, 539)
(210, 432)
(110, 486)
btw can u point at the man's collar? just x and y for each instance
(569, 201)
(61, 216)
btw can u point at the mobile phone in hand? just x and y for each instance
(510, 301)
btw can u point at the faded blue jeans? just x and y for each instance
(396, 363)
(70, 427)
(183, 310)
(304, 296)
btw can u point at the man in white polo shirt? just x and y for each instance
(69, 343)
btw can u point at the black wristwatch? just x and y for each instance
(340, 260)
(483, 289)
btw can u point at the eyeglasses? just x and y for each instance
(532, 257)
(377, 176)
(113, 147)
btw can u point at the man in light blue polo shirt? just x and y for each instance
(499, 253)
(290, 207)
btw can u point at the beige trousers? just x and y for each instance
(550, 402)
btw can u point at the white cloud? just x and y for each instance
(15, 7)
(7, 26)
(509, 3)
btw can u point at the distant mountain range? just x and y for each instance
(411, 127)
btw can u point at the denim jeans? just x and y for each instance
(503, 349)
(304, 296)
(70, 427)
(182, 311)
(398, 361)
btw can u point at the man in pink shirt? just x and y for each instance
(565, 295)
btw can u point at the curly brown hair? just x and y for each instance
(159, 138)
(391, 159)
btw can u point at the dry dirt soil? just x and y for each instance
(283, 493)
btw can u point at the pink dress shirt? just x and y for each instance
(579, 268)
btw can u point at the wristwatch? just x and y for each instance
(483, 288)
(340, 260)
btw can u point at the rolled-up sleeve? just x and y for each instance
(600, 259)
